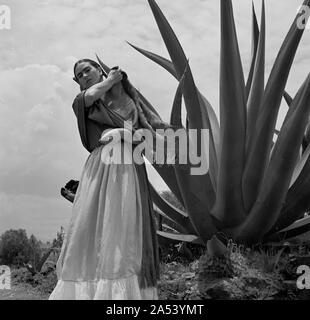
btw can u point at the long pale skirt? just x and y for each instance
(101, 255)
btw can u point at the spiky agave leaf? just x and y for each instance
(169, 222)
(259, 150)
(168, 65)
(288, 42)
(292, 107)
(288, 98)
(255, 40)
(214, 125)
(197, 192)
(253, 106)
(180, 237)
(289, 101)
(163, 62)
(229, 204)
(176, 112)
(192, 188)
(198, 114)
(257, 85)
(176, 120)
(267, 207)
(169, 176)
(297, 228)
(300, 165)
(297, 201)
(255, 36)
(177, 215)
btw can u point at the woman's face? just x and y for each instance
(87, 75)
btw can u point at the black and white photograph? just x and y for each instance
(155, 150)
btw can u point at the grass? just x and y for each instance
(179, 276)
(178, 282)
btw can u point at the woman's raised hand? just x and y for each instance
(115, 75)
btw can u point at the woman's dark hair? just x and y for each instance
(91, 62)
(131, 91)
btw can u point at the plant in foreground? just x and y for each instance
(256, 189)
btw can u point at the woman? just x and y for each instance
(110, 248)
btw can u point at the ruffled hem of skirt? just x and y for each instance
(103, 289)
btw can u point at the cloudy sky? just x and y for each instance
(40, 145)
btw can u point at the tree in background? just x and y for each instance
(41, 255)
(35, 252)
(15, 248)
(58, 241)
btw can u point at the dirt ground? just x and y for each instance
(21, 292)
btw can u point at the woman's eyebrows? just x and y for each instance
(82, 70)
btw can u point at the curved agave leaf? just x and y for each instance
(288, 98)
(105, 68)
(198, 119)
(197, 114)
(168, 226)
(215, 135)
(291, 111)
(193, 190)
(300, 165)
(255, 36)
(176, 112)
(266, 209)
(180, 237)
(297, 201)
(172, 43)
(297, 228)
(210, 181)
(229, 203)
(259, 150)
(169, 222)
(163, 62)
(168, 175)
(178, 216)
(254, 105)
(257, 87)
(207, 110)
(292, 107)
(306, 140)
(168, 65)
(289, 101)
(176, 120)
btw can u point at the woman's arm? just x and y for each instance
(99, 89)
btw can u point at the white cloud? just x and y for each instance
(39, 135)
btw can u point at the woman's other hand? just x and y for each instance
(98, 90)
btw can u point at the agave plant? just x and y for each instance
(249, 193)
(256, 189)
